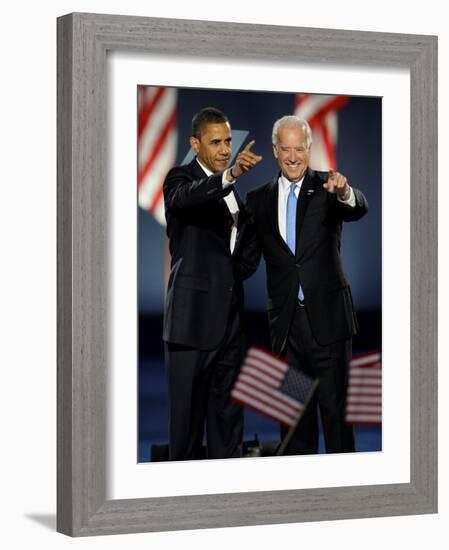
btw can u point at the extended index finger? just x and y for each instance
(249, 145)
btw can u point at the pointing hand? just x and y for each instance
(246, 160)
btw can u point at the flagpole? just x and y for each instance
(292, 429)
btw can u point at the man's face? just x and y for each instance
(292, 153)
(214, 147)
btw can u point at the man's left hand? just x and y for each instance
(337, 183)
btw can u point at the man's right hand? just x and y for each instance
(245, 161)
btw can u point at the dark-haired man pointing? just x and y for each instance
(203, 339)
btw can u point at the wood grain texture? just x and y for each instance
(83, 40)
(423, 271)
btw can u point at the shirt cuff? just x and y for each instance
(350, 201)
(224, 181)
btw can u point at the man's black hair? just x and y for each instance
(208, 115)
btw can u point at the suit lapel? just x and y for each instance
(242, 210)
(273, 213)
(306, 193)
(241, 219)
(199, 173)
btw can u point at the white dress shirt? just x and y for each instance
(284, 190)
(231, 203)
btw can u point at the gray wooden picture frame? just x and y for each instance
(83, 41)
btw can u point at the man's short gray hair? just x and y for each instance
(292, 121)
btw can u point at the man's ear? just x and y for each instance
(275, 152)
(195, 143)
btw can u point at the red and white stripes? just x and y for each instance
(320, 111)
(364, 398)
(157, 143)
(258, 385)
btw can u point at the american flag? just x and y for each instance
(157, 143)
(270, 386)
(320, 111)
(364, 399)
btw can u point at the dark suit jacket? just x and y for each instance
(316, 264)
(204, 275)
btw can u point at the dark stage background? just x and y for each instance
(359, 159)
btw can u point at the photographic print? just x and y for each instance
(311, 375)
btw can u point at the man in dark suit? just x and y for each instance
(202, 330)
(297, 225)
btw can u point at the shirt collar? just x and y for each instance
(206, 170)
(285, 183)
